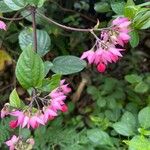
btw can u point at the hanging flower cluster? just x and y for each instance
(2, 25)
(108, 48)
(32, 117)
(18, 143)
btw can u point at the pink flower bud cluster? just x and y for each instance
(32, 117)
(13, 143)
(108, 48)
(2, 25)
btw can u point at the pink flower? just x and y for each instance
(101, 67)
(2, 25)
(121, 30)
(90, 55)
(12, 142)
(31, 118)
(105, 49)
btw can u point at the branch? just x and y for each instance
(70, 28)
(14, 19)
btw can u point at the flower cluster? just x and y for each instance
(108, 48)
(32, 117)
(17, 143)
(2, 25)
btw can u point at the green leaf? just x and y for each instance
(144, 117)
(30, 69)
(47, 65)
(50, 84)
(141, 87)
(4, 8)
(99, 137)
(15, 4)
(141, 19)
(131, 9)
(134, 38)
(127, 125)
(118, 6)
(44, 41)
(102, 7)
(139, 143)
(146, 24)
(14, 99)
(68, 65)
(38, 3)
(25, 133)
(133, 78)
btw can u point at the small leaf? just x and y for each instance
(30, 69)
(127, 125)
(68, 65)
(25, 133)
(144, 117)
(134, 38)
(44, 41)
(141, 87)
(102, 7)
(99, 137)
(14, 99)
(139, 143)
(50, 84)
(133, 78)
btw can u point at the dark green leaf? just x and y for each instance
(68, 65)
(26, 38)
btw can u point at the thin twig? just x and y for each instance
(70, 28)
(73, 11)
(14, 19)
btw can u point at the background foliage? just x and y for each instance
(113, 112)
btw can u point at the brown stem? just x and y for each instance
(14, 19)
(70, 28)
(33, 13)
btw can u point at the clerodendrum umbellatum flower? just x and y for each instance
(105, 49)
(34, 117)
(12, 142)
(18, 143)
(2, 25)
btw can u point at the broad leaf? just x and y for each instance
(15, 4)
(68, 65)
(30, 69)
(4, 8)
(44, 41)
(118, 6)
